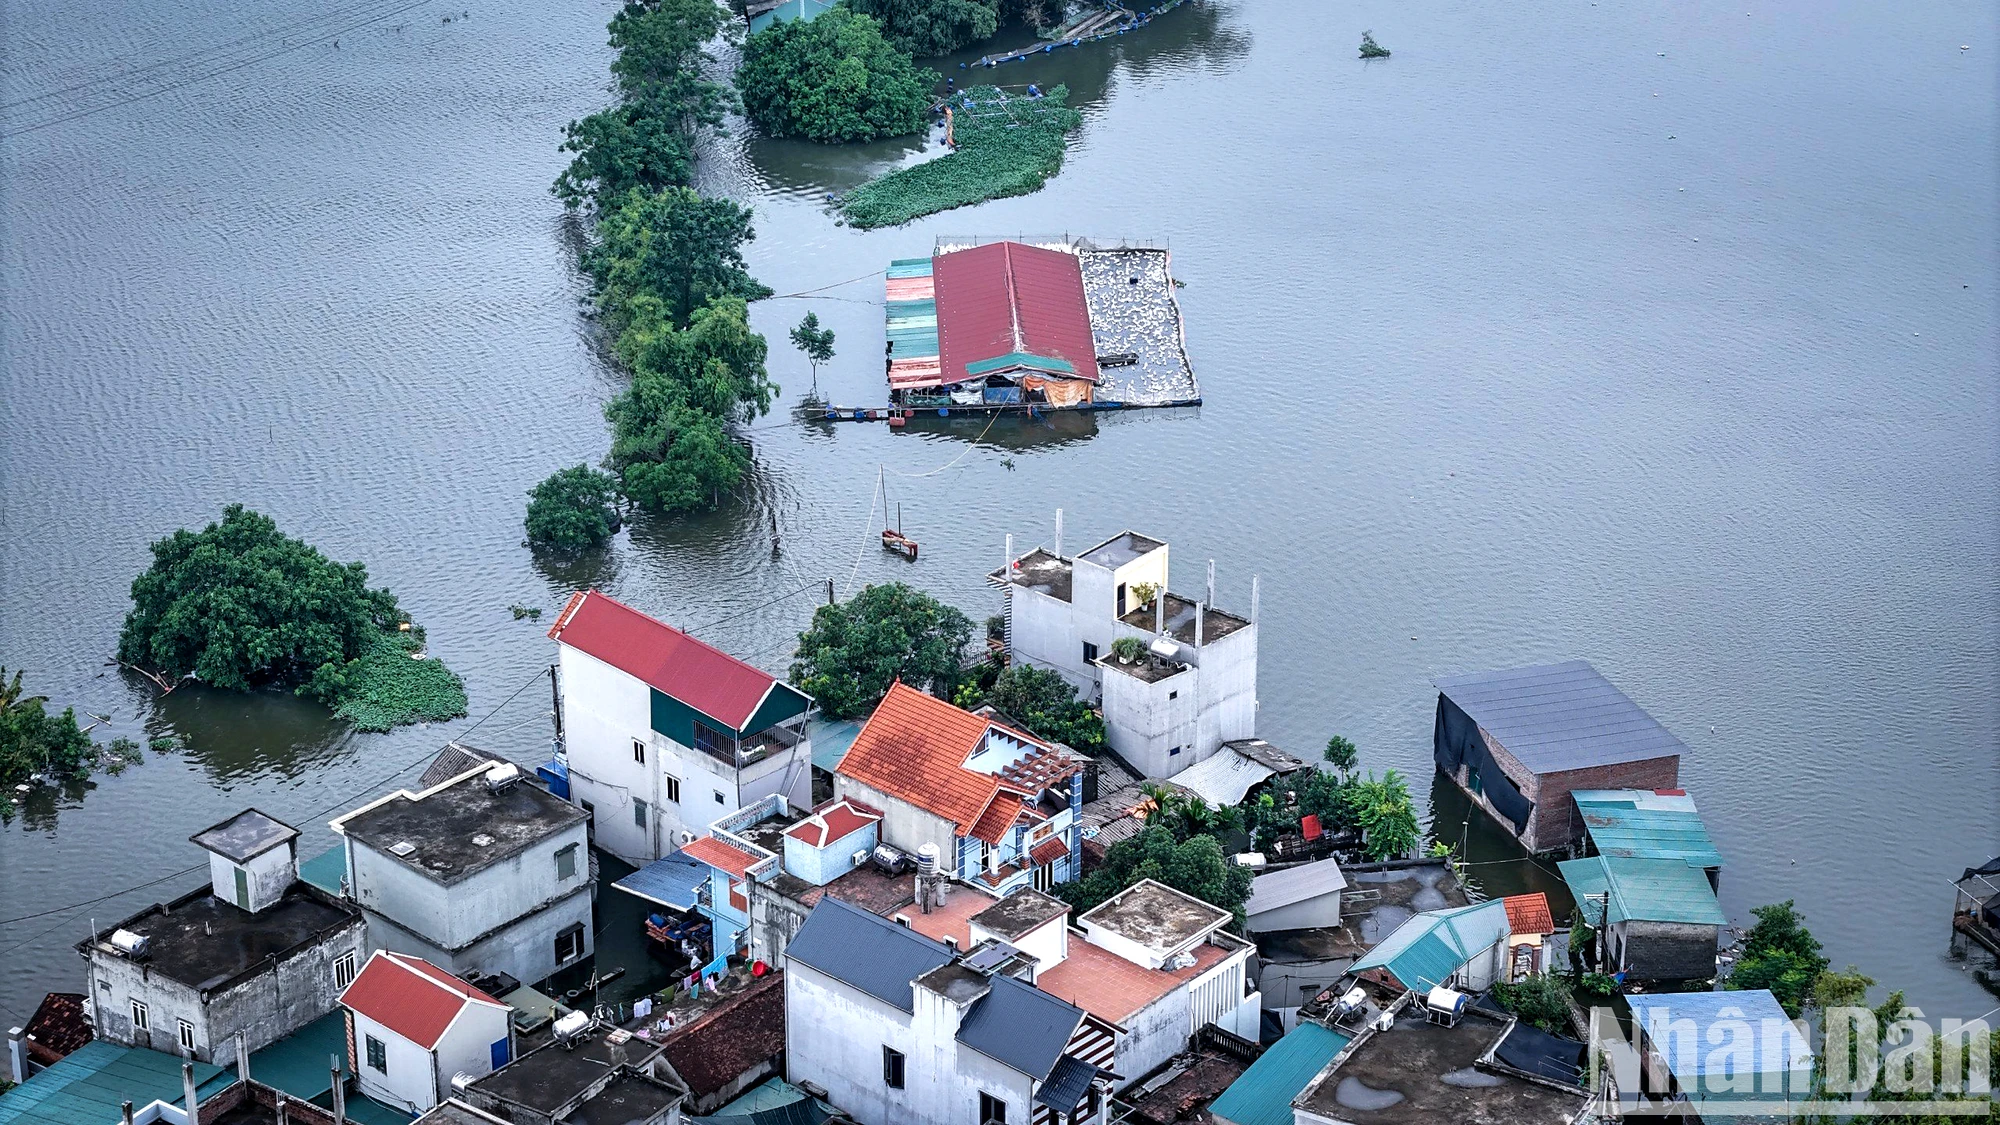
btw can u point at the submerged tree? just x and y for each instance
(831, 80)
(814, 341)
(573, 510)
(1371, 49)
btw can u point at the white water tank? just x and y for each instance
(927, 859)
(129, 943)
(572, 1024)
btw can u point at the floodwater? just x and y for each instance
(1662, 336)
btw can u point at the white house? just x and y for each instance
(485, 872)
(903, 1030)
(1304, 897)
(255, 953)
(414, 1027)
(662, 734)
(1196, 686)
(999, 805)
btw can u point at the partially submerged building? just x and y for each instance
(1657, 919)
(1195, 686)
(1463, 947)
(1521, 740)
(256, 954)
(1302, 897)
(1648, 824)
(1705, 1055)
(483, 873)
(413, 1029)
(662, 734)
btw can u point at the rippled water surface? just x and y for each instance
(1663, 337)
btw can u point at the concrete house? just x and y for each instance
(999, 805)
(256, 953)
(1657, 919)
(1464, 947)
(595, 1075)
(903, 1030)
(1151, 965)
(412, 1028)
(485, 872)
(1296, 898)
(1194, 690)
(1520, 741)
(661, 734)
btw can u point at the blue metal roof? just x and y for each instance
(326, 870)
(788, 11)
(830, 740)
(1714, 1043)
(90, 1084)
(674, 880)
(1428, 948)
(1263, 1094)
(1644, 824)
(866, 951)
(1642, 890)
(1556, 717)
(1021, 1026)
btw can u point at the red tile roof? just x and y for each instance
(999, 816)
(914, 748)
(720, 853)
(740, 1035)
(57, 1028)
(831, 822)
(1009, 297)
(1529, 914)
(703, 677)
(1112, 988)
(1049, 850)
(411, 997)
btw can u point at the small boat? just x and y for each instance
(893, 538)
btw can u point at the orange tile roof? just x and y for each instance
(1529, 914)
(719, 853)
(1049, 850)
(999, 816)
(914, 748)
(1112, 988)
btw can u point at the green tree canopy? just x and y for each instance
(832, 79)
(1196, 866)
(928, 28)
(661, 47)
(1385, 814)
(814, 341)
(1780, 954)
(33, 741)
(1047, 705)
(573, 509)
(674, 246)
(624, 148)
(1341, 754)
(239, 604)
(855, 649)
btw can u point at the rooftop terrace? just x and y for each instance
(1120, 549)
(1419, 1073)
(245, 836)
(1020, 913)
(1040, 571)
(462, 829)
(551, 1076)
(1155, 917)
(205, 943)
(1180, 614)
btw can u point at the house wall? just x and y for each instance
(409, 1080)
(1557, 822)
(1227, 685)
(525, 948)
(1313, 913)
(266, 877)
(1047, 943)
(1523, 778)
(604, 711)
(774, 918)
(466, 1047)
(265, 1006)
(1484, 968)
(820, 866)
(1665, 950)
(835, 1035)
(1153, 1034)
(1144, 722)
(904, 826)
(1045, 634)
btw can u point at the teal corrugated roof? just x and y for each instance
(788, 11)
(896, 309)
(325, 871)
(300, 1064)
(1645, 890)
(830, 740)
(1429, 947)
(1263, 1094)
(1643, 824)
(90, 1084)
(910, 267)
(1020, 359)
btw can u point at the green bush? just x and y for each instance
(929, 28)
(33, 741)
(832, 79)
(1006, 146)
(571, 511)
(1047, 705)
(1196, 866)
(1780, 954)
(1539, 1000)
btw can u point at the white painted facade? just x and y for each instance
(262, 882)
(1047, 943)
(416, 1078)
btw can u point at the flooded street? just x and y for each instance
(1663, 339)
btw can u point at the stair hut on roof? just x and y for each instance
(1002, 324)
(1520, 741)
(664, 734)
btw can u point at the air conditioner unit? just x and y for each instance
(684, 836)
(860, 858)
(460, 1081)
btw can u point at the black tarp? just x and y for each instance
(1456, 741)
(1452, 735)
(1535, 1051)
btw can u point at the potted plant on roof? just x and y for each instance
(1128, 649)
(1145, 592)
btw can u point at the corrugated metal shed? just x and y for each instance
(1223, 778)
(1556, 717)
(1642, 890)
(830, 740)
(1263, 1094)
(1646, 824)
(326, 870)
(91, 1082)
(1773, 1062)
(1008, 297)
(1294, 885)
(1428, 948)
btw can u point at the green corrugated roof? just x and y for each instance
(830, 740)
(1428, 948)
(90, 1084)
(1263, 1094)
(1020, 359)
(1645, 890)
(910, 267)
(300, 1064)
(325, 871)
(1642, 824)
(895, 309)
(913, 321)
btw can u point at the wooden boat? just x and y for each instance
(893, 540)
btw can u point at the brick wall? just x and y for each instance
(1556, 823)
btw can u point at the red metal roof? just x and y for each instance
(411, 997)
(1009, 297)
(831, 822)
(703, 677)
(1529, 914)
(720, 853)
(914, 748)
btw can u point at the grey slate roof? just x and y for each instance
(1556, 717)
(245, 836)
(866, 951)
(1291, 885)
(1066, 1085)
(1020, 1025)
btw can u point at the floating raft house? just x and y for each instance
(1044, 324)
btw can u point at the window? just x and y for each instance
(569, 945)
(187, 1036)
(1174, 753)
(673, 787)
(720, 799)
(1089, 653)
(343, 970)
(1121, 599)
(566, 862)
(1175, 694)
(378, 1055)
(139, 1017)
(639, 813)
(639, 751)
(892, 1068)
(992, 1111)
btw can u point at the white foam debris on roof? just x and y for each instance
(1142, 319)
